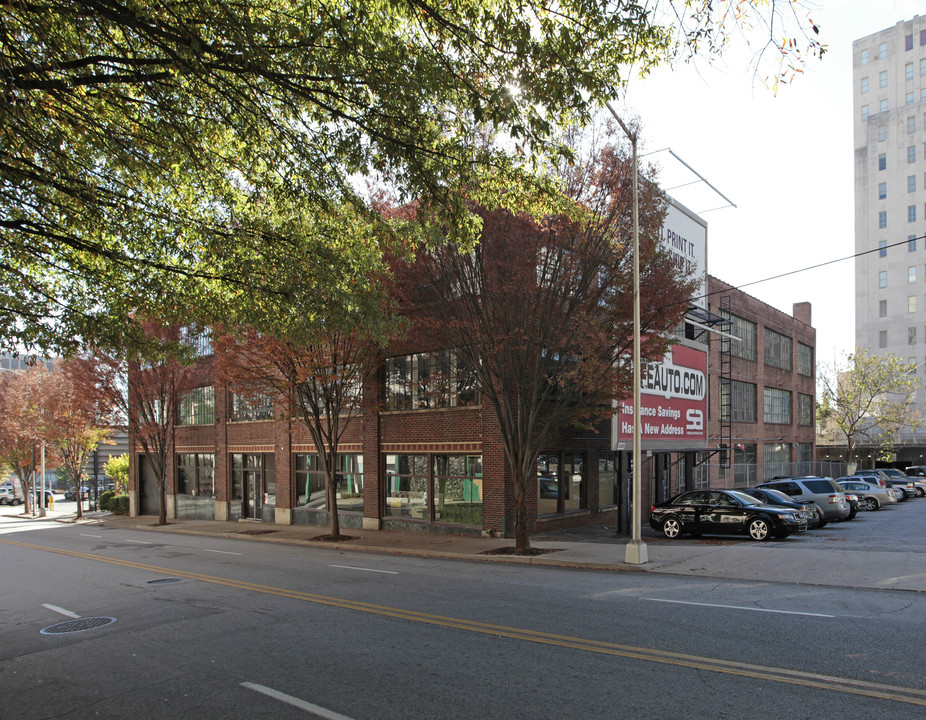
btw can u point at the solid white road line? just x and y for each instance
(66, 613)
(138, 542)
(738, 607)
(224, 552)
(351, 567)
(87, 535)
(295, 702)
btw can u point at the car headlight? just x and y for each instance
(787, 516)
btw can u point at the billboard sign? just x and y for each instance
(673, 404)
(684, 236)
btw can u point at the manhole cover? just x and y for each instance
(163, 581)
(78, 625)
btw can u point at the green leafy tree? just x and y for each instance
(867, 400)
(159, 154)
(117, 467)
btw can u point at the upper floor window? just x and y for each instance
(908, 42)
(911, 183)
(911, 243)
(882, 51)
(199, 340)
(911, 122)
(908, 71)
(882, 219)
(429, 380)
(197, 407)
(804, 360)
(864, 84)
(777, 406)
(923, 66)
(911, 213)
(804, 409)
(882, 279)
(864, 113)
(745, 330)
(882, 161)
(882, 190)
(911, 275)
(882, 78)
(882, 105)
(778, 350)
(737, 400)
(882, 339)
(882, 308)
(911, 154)
(864, 57)
(882, 248)
(882, 134)
(248, 407)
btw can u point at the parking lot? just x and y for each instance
(896, 528)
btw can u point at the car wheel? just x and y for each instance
(919, 492)
(759, 529)
(4, 501)
(871, 503)
(671, 527)
(16, 501)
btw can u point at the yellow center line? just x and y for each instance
(896, 693)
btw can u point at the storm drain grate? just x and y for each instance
(77, 625)
(163, 581)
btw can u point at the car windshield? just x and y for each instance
(777, 495)
(824, 485)
(744, 498)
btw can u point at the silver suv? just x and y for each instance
(830, 499)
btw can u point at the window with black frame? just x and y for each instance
(196, 474)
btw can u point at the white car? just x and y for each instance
(10, 496)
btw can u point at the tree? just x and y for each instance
(117, 467)
(540, 311)
(318, 378)
(72, 421)
(147, 385)
(868, 398)
(155, 156)
(19, 433)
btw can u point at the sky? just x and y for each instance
(785, 160)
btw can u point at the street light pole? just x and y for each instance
(636, 549)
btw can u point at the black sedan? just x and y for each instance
(724, 512)
(767, 496)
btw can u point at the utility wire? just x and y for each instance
(813, 267)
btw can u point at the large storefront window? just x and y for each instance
(257, 406)
(196, 474)
(450, 490)
(310, 482)
(458, 489)
(560, 483)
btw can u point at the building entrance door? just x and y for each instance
(253, 482)
(254, 489)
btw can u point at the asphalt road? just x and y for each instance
(206, 627)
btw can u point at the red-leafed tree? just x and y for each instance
(147, 383)
(73, 421)
(315, 374)
(541, 310)
(20, 435)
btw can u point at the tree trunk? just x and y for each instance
(522, 538)
(162, 503)
(331, 497)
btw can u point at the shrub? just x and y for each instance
(105, 499)
(119, 505)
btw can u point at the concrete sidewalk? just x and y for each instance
(787, 560)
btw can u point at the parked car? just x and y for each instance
(854, 504)
(829, 498)
(724, 512)
(904, 487)
(71, 494)
(10, 495)
(915, 471)
(919, 483)
(871, 495)
(779, 499)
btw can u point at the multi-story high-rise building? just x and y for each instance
(889, 103)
